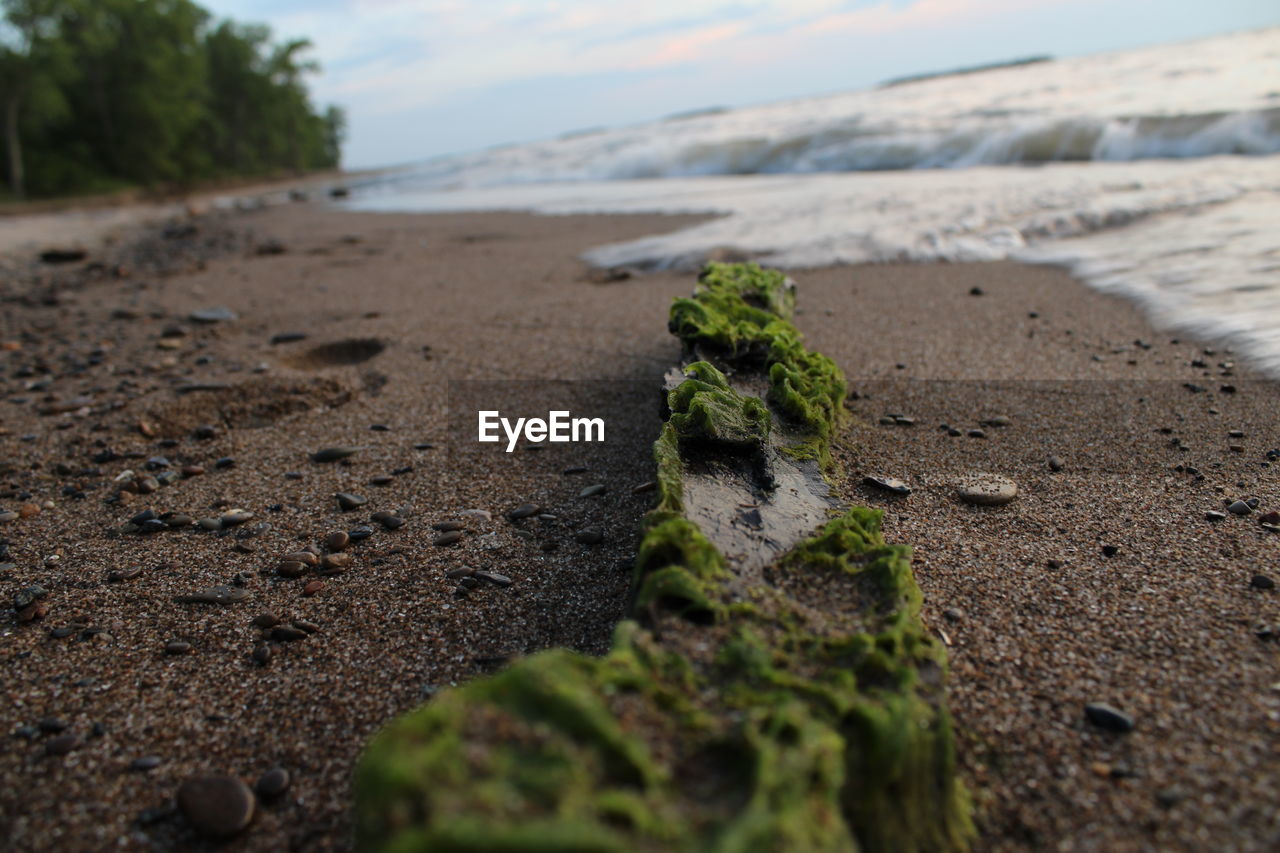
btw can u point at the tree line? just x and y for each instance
(97, 95)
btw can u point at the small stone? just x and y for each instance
(348, 501)
(304, 625)
(210, 523)
(177, 647)
(360, 532)
(478, 514)
(592, 491)
(291, 569)
(333, 454)
(216, 806)
(388, 520)
(1214, 515)
(287, 338)
(382, 480)
(337, 541)
(646, 486)
(1239, 508)
(273, 783)
(1110, 550)
(305, 557)
(288, 634)
(334, 564)
(976, 291)
(953, 614)
(266, 620)
(450, 537)
(8, 515)
(524, 511)
(1106, 717)
(454, 574)
(987, 490)
(52, 725)
(232, 517)
(1272, 517)
(312, 588)
(221, 594)
(888, 484)
(977, 433)
(218, 314)
(446, 526)
(576, 469)
(493, 578)
(1262, 582)
(1055, 463)
(262, 654)
(61, 745)
(145, 763)
(27, 595)
(997, 421)
(589, 536)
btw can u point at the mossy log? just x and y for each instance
(797, 707)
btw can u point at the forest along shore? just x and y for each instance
(231, 353)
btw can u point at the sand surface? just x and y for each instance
(405, 316)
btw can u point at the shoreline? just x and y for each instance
(454, 297)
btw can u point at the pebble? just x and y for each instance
(646, 486)
(28, 595)
(360, 532)
(217, 314)
(593, 490)
(523, 511)
(1055, 463)
(262, 654)
(1214, 515)
(312, 588)
(889, 484)
(146, 762)
(493, 578)
(221, 594)
(216, 806)
(52, 725)
(337, 541)
(450, 537)
(987, 490)
(977, 433)
(273, 783)
(61, 745)
(446, 526)
(589, 536)
(291, 569)
(304, 625)
(266, 620)
(953, 614)
(8, 515)
(576, 469)
(333, 564)
(454, 574)
(1106, 717)
(1262, 582)
(288, 633)
(287, 338)
(177, 647)
(997, 421)
(1110, 550)
(333, 454)
(1239, 508)
(382, 480)
(479, 514)
(388, 520)
(210, 523)
(348, 501)
(232, 517)
(305, 557)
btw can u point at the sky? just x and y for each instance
(419, 78)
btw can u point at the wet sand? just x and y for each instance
(398, 307)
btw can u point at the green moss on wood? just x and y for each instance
(705, 408)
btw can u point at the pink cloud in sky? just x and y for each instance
(688, 46)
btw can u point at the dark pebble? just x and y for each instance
(446, 526)
(576, 469)
(1055, 463)
(454, 574)
(523, 511)
(1106, 717)
(1262, 582)
(450, 537)
(337, 541)
(647, 486)
(348, 501)
(224, 462)
(273, 783)
(146, 762)
(382, 480)
(177, 647)
(266, 620)
(589, 536)
(493, 578)
(61, 745)
(216, 806)
(977, 433)
(360, 532)
(262, 655)
(889, 484)
(291, 569)
(51, 725)
(1110, 550)
(287, 338)
(333, 454)
(333, 564)
(592, 491)
(287, 633)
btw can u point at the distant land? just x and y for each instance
(970, 69)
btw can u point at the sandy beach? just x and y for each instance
(116, 692)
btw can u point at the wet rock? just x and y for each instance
(977, 433)
(1106, 717)
(288, 634)
(266, 620)
(593, 490)
(892, 485)
(1239, 508)
(304, 557)
(145, 763)
(221, 594)
(28, 595)
(61, 745)
(451, 537)
(589, 536)
(987, 490)
(388, 520)
(334, 564)
(312, 588)
(1110, 550)
(177, 647)
(337, 541)
(1214, 515)
(493, 578)
(233, 517)
(360, 532)
(291, 569)
(1055, 463)
(216, 806)
(1262, 582)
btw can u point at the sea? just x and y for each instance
(1151, 173)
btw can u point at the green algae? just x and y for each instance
(733, 719)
